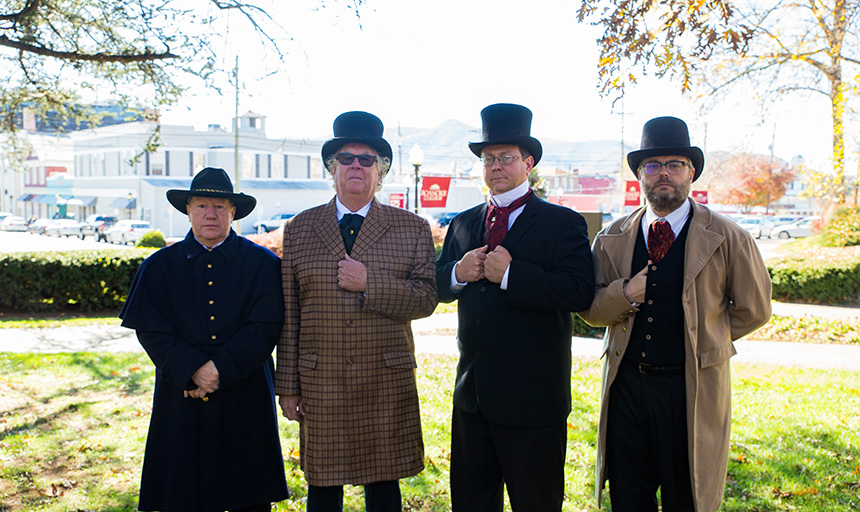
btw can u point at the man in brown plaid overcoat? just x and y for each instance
(355, 273)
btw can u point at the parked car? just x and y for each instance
(276, 221)
(127, 231)
(96, 225)
(757, 226)
(38, 226)
(798, 229)
(779, 220)
(445, 218)
(13, 223)
(64, 227)
(3, 215)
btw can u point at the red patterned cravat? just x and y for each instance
(496, 224)
(660, 238)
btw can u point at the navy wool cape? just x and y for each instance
(190, 305)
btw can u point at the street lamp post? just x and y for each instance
(416, 156)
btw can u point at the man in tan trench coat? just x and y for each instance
(355, 273)
(676, 284)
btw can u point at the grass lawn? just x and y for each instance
(73, 426)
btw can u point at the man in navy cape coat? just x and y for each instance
(197, 305)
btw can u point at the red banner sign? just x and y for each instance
(700, 196)
(434, 191)
(631, 193)
(398, 200)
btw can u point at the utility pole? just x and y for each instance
(236, 170)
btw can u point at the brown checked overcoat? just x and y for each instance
(726, 296)
(351, 356)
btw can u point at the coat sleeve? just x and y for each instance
(287, 375)
(455, 246)
(411, 297)
(566, 284)
(748, 289)
(176, 359)
(609, 306)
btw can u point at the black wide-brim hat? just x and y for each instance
(358, 127)
(212, 182)
(664, 136)
(507, 124)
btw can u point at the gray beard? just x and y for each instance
(666, 201)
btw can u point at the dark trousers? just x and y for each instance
(486, 457)
(378, 497)
(647, 443)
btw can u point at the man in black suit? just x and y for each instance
(518, 267)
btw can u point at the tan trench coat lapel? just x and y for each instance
(623, 243)
(701, 244)
(329, 232)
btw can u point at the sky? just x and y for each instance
(418, 64)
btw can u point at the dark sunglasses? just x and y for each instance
(348, 158)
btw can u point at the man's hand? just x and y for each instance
(634, 289)
(497, 264)
(292, 407)
(207, 377)
(196, 393)
(471, 267)
(351, 274)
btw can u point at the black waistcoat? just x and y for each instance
(658, 329)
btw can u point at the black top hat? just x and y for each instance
(358, 127)
(504, 123)
(666, 136)
(212, 182)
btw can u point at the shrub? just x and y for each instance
(151, 239)
(83, 281)
(843, 229)
(833, 281)
(273, 240)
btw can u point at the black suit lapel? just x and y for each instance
(523, 223)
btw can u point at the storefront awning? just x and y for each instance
(26, 197)
(124, 203)
(79, 201)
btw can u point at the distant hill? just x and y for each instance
(446, 150)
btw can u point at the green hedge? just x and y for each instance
(89, 281)
(84, 281)
(819, 282)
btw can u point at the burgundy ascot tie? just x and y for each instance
(660, 238)
(496, 224)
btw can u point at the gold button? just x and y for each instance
(617, 352)
(211, 302)
(209, 266)
(650, 302)
(653, 267)
(211, 318)
(214, 337)
(643, 354)
(650, 319)
(624, 329)
(210, 283)
(647, 336)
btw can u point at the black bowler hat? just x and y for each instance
(359, 127)
(212, 182)
(664, 136)
(507, 124)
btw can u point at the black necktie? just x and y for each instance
(349, 225)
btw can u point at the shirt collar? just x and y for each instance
(506, 198)
(343, 210)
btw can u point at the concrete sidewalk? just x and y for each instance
(437, 335)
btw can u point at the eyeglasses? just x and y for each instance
(504, 159)
(673, 167)
(349, 158)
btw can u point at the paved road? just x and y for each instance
(435, 334)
